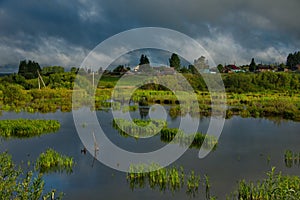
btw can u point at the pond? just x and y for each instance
(247, 149)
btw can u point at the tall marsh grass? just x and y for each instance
(52, 161)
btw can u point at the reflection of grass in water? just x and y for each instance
(138, 128)
(196, 140)
(291, 158)
(183, 110)
(275, 186)
(172, 178)
(52, 161)
(24, 128)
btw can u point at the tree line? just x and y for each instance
(57, 77)
(251, 82)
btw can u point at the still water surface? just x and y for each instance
(247, 149)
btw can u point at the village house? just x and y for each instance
(296, 68)
(231, 69)
(136, 69)
(265, 68)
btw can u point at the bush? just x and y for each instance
(17, 184)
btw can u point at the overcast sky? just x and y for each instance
(56, 32)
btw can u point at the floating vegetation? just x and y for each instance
(276, 186)
(195, 140)
(144, 128)
(172, 178)
(25, 128)
(52, 161)
(138, 128)
(291, 158)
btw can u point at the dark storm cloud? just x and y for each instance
(62, 32)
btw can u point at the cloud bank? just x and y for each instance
(62, 32)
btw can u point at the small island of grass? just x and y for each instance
(25, 128)
(138, 127)
(195, 140)
(163, 178)
(52, 161)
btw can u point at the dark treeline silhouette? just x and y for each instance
(29, 69)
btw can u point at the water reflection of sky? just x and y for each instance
(242, 152)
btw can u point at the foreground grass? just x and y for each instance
(276, 187)
(18, 184)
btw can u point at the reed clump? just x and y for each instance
(196, 140)
(291, 158)
(52, 161)
(172, 178)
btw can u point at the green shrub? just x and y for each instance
(18, 184)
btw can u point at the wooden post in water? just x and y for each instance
(96, 148)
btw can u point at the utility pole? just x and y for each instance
(93, 80)
(40, 79)
(39, 83)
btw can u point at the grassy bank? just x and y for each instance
(248, 95)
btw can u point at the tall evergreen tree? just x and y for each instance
(252, 66)
(220, 67)
(293, 59)
(144, 60)
(175, 61)
(22, 67)
(29, 70)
